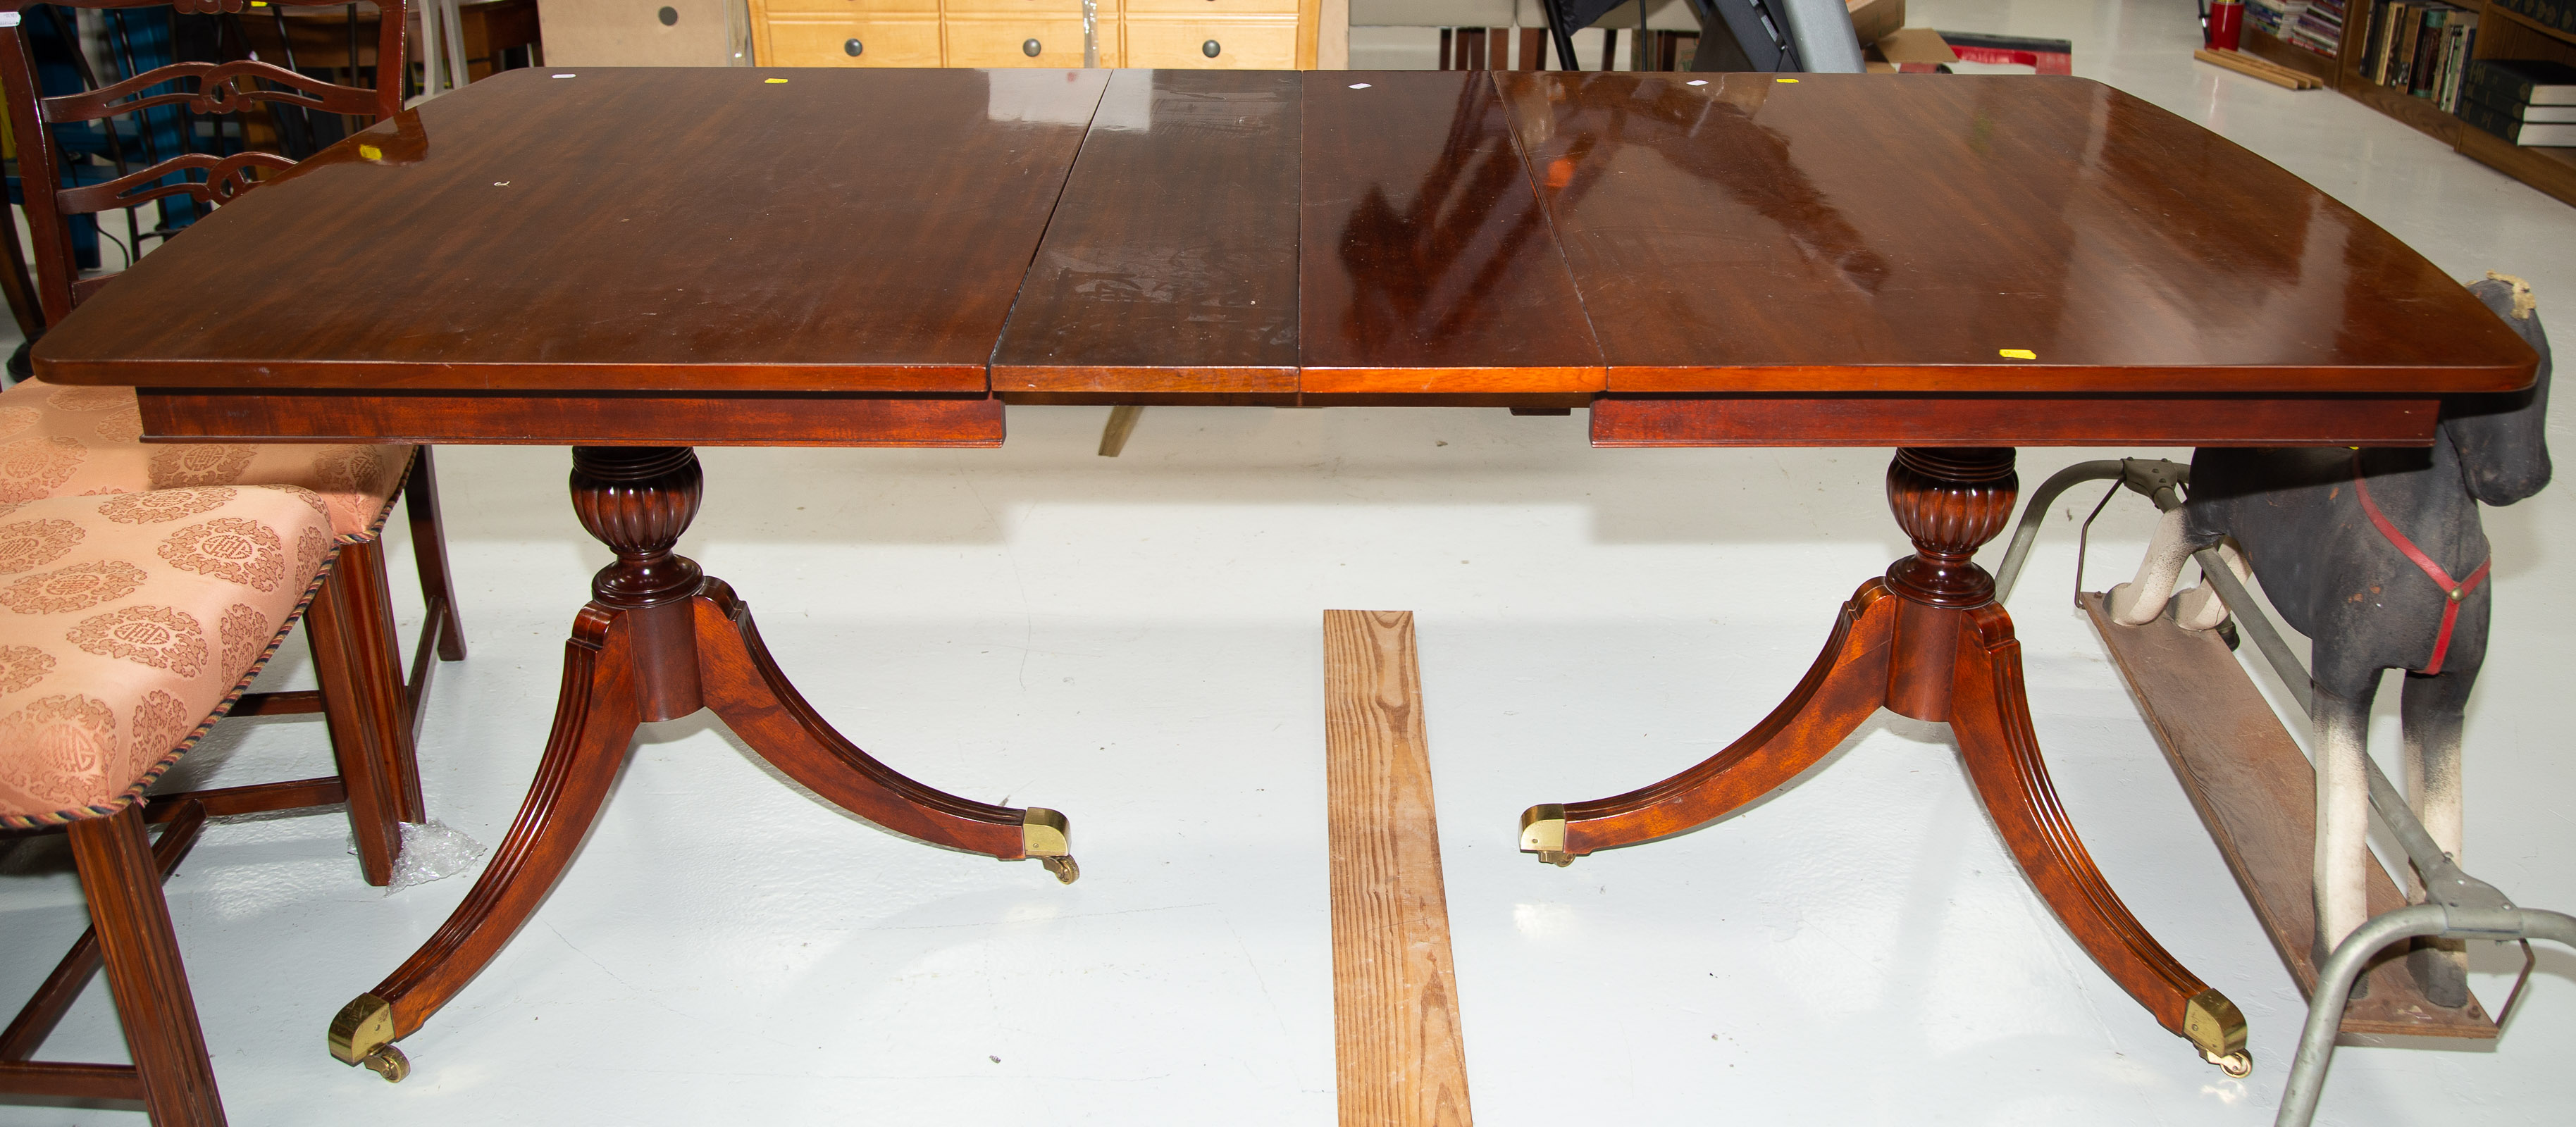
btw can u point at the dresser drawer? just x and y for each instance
(803, 42)
(1210, 7)
(1250, 43)
(1052, 9)
(1003, 42)
(761, 8)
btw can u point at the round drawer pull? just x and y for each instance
(853, 48)
(668, 16)
(1211, 49)
(1030, 48)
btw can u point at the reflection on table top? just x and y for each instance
(1229, 234)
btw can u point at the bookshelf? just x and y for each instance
(2263, 44)
(2502, 34)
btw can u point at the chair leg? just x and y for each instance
(429, 549)
(363, 700)
(21, 291)
(36, 1021)
(143, 970)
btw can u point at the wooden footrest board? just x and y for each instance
(1398, 1060)
(2257, 793)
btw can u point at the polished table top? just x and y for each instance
(1217, 236)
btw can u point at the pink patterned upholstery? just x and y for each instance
(58, 441)
(129, 623)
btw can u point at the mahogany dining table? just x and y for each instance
(637, 262)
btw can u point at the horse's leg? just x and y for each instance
(2140, 600)
(2200, 608)
(2343, 814)
(2431, 707)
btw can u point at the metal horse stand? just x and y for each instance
(2457, 905)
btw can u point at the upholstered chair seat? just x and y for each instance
(129, 623)
(58, 441)
(62, 441)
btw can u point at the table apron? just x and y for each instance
(590, 419)
(790, 419)
(2015, 420)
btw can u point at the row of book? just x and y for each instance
(2316, 25)
(2421, 47)
(2560, 14)
(2525, 101)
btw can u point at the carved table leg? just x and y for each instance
(658, 641)
(1839, 692)
(1929, 642)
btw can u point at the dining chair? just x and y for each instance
(132, 623)
(57, 441)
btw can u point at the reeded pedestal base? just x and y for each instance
(659, 641)
(1926, 641)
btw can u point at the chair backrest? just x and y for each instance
(203, 87)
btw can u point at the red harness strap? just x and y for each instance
(2455, 590)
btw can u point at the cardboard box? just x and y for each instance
(1913, 50)
(1874, 18)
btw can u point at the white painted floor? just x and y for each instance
(1135, 642)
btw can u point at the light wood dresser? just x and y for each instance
(1248, 34)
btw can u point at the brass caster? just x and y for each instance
(1043, 835)
(362, 1033)
(2239, 1064)
(1543, 833)
(388, 1062)
(2214, 1026)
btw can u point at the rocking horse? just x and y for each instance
(2379, 557)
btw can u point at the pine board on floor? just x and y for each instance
(1399, 1061)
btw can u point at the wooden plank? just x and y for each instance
(2257, 793)
(2253, 67)
(1171, 261)
(1427, 263)
(1399, 1061)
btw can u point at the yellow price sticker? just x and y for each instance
(2016, 354)
(773, 81)
(371, 152)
